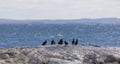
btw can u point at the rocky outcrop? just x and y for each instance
(100, 59)
(57, 54)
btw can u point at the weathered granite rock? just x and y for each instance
(58, 54)
(100, 59)
(8, 54)
(4, 56)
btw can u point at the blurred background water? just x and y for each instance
(12, 35)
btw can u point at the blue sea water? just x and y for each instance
(12, 35)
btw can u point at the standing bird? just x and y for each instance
(60, 41)
(66, 43)
(76, 42)
(52, 42)
(44, 43)
(73, 41)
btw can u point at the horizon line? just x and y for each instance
(62, 19)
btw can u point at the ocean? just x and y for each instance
(13, 35)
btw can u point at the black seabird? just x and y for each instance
(73, 42)
(60, 41)
(44, 43)
(66, 43)
(76, 42)
(52, 42)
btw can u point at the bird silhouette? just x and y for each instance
(52, 42)
(66, 43)
(45, 42)
(60, 41)
(76, 42)
(73, 41)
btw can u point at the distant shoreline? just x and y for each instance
(61, 21)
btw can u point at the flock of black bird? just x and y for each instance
(61, 42)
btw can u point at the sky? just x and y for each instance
(59, 9)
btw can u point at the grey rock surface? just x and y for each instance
(60, 54)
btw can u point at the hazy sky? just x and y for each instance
(59, 9)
